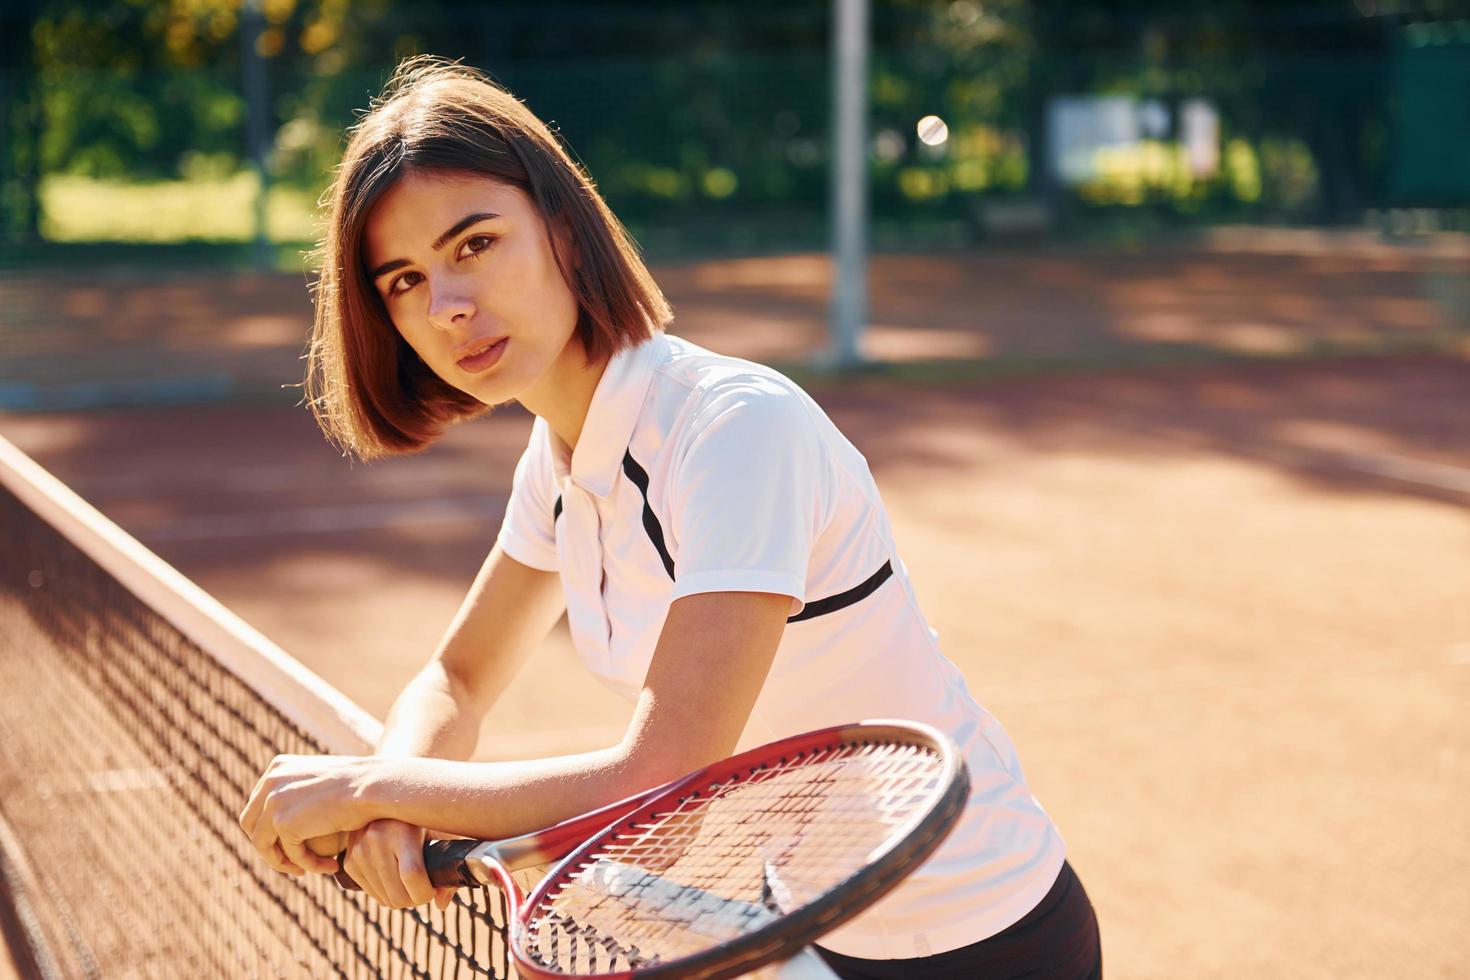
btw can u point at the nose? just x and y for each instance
(449, 306)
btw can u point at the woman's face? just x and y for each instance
(465, 266)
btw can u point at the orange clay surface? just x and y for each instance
(1223, 609)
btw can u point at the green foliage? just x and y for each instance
(205, 209)
(136, 88)
(714, 112)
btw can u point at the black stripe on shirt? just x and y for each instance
(831, 604)
(655, 530)
(820, 607)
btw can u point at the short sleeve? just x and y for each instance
(528, 533)
(749, 492)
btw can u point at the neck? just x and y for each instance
(564, 395)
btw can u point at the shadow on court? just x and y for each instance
(145, 336)
(1221, 608)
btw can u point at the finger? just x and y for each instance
(379, 849)
(411, 871)
(345, 859)
(395, 894)
(299, 854)
(250, 815)
(264, 840)
(259, 794)
(442, 897)
(277, 859)
(352, 866)
(328, 845)
(364, 871)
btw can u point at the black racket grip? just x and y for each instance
(443, 859)
(445, 862)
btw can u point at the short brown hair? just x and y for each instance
(367, 388)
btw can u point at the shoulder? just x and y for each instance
(703, 391)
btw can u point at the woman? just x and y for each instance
(719, 548)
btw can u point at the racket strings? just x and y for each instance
(731, 858)
(578, 947)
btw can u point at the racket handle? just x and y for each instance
(444, 860)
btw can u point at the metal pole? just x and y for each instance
(257, 133)
(849, 306)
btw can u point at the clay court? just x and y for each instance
(1192, 519)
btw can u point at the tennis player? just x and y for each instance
(719, 548)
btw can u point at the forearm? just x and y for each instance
(498, 799)
(708, 669)
(507, 612)
(711, 661)
(434, 716)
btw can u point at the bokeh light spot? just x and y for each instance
(933, 130)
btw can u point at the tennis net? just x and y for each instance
(135, 715)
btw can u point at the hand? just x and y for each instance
(300, 797)
(387, 859)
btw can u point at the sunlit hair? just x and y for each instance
(369, 391)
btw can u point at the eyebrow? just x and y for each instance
(438, 243)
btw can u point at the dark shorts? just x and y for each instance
(1057, 940)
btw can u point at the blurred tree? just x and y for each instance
(153, 88)
(703, 108)
(1312, 73)
(20, 123)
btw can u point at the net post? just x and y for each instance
(257, 125)
(849, 201)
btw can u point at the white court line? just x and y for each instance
(102, 781)
(258, 478)
(1136, 685)
(321, 520)
(1407, 470)
(1404, 469)
(1423, 473)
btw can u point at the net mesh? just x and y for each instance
(727, 860)
(127, 751)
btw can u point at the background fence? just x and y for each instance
(706, 125)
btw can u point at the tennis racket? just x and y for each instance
(741, 864)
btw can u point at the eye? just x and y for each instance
(476, 244)
(404, 283)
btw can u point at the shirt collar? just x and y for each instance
(611, 417)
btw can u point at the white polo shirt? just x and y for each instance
(698, 473)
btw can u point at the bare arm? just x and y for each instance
(706, 673)
(509, 609)
(710, 664)
(506, 613)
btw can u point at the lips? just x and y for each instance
(480, 355)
